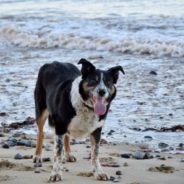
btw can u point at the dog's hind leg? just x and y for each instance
(95, 142)
(41, 116)
(67, 150)
(56, 174)
(40, 123)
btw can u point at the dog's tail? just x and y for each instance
(40, 94)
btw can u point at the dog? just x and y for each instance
(76, 104)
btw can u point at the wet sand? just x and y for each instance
(161, 169)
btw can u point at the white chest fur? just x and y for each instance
(84, 123)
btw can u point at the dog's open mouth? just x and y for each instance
(99, 105)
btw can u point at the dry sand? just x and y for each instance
(133, 171)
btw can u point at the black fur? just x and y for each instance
(53, 91)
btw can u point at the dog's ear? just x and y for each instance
(114, 71)
(87, 67)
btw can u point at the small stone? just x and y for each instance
(181, 145)
(165, 150)
(88, 146)
(25, 142)
(110, 132)
(18, 134)
(138, 155)
(27, 156)
(148, 137)
(125, 164)
(3, 114)
(126, 155)
(6, 146)
(153, 73)
(2, 135)
(170, 114)
(118, 173)
(162, 145)
(18, 156)
(116, 180)
(162, 158)
(112, 178)
(48, 147)
(37, 171)
(46, 159)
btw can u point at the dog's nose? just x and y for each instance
(101, 92)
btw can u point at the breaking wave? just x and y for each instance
(48, 38)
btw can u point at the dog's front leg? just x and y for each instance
(56, 174)
(95, 142)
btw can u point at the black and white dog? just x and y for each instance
(76, 104)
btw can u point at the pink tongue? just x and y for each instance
(99, 106)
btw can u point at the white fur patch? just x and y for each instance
(86, 121)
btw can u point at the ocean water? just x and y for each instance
(139, 35)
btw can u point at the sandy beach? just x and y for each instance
(145, 38)
(158, 168)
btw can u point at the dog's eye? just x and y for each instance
(108, 82)
(92, 82)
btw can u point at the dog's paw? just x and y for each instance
(70, 158)
(37, 161)
(102, 177)
(55, 178)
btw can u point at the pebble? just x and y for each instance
(27, 156)
(126, 155)
(180, 147)
(18, 156)
(170, 114)
(48, 147)
(28, 143)
(136, 129)
(37, 171)
(46, 159)
(182, 160)
(18, 134)
(138, 155)
(125, 164)
(165, 150)
(3, 114)
(162, 158)
(162, 145)
(112, 178)
(148, 137)
(110, 132)
(153, 73)
(6, 146)
(118, 173)
(2, 135)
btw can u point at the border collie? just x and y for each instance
(76, 104)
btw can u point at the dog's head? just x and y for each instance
(97, 87)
